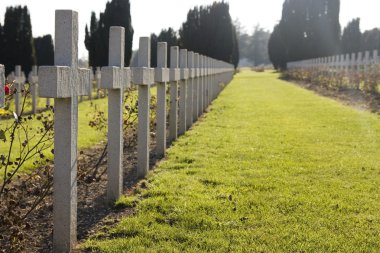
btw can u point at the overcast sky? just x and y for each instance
(151, 15)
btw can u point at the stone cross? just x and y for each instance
(2, 86)
(203, 93)
(143, 76)
(174, 78)
(375, 57)
(33, 82)
(89, 91)
(98, 78)
(353, 62)
(19, 85)
(196, 87)
(115, 78)
(182, 91)
(161, 78)
(11, 77)
(65, 82)
(189, 91)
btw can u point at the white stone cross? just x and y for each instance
(189, 91)
(375, 57)
(174, 78)
(183, 91)
(11, 77)
(65, 82)
(115, 78)
(143, 76)
(2, 86)
(98, 78)
(196, 87)
(161, 77)
(202, 86)
(33, 82)
(19, 86)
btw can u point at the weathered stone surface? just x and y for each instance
(161, 78)
(174, 77)
(143, 76)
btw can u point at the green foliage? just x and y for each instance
(351, 37)
(271, 168)
(308, 29)
(44, 50)
(209, 30)
(17, 40)
(117, 13)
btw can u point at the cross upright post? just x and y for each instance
(2, 84)
(161, 77)
(65, 82)
(182, 91)
(115, 78)
(143, 76)
(196, 87)
(19, 83)
(189, 92)
(174, 78)
(201, 85)
(33, 82)
(98, 79)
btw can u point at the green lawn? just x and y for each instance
(272, 168)
(87, 136)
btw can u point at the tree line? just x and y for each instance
(17, 45)
(208, 30)
(310, 29)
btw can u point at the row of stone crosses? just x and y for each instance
(200, 80)
(354, 61)
(18, 79)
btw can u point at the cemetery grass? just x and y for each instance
(271, 168)
(87, 135)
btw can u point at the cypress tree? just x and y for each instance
(209, 30)
(117, 13)
(18, 39)
(308, 29)
(1, 45)
(44, 50)
(370, 40)
(351, 38)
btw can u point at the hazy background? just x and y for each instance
(150, 16)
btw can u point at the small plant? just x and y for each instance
(21, 194)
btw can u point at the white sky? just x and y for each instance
(151, 15)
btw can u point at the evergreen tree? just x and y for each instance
(209, 31)
(277, 49)
(44, 50)
(308, 29)
(166, 35)
(117, 13)
(1, 45)
(351, 38)
(370, 40)
(153, 50)
(18, 39)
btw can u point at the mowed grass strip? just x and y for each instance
(272, 168)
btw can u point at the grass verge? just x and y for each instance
(272, 168)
